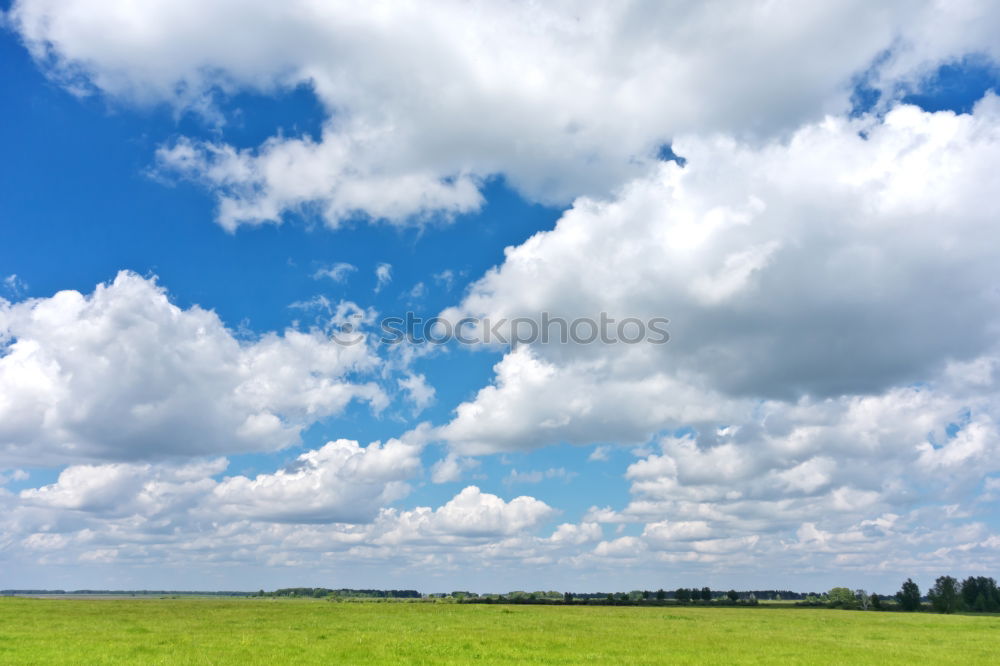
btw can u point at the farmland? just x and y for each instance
(267, 631)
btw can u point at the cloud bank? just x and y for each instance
(423, 105)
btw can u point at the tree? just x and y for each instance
(841, 597)
(876, 602)
(733, 596)
(909, 596)
(568, 597)
(970, 591)
(864, 599)
(661, 595)
(980, 594)
(706, 594)
(944, 595)
(646, 594)
(993, 598)
(990, 592)
(683, 594)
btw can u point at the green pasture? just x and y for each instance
(270, 631)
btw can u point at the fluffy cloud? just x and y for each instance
(127, 489)
(471, 513)
(340, 482)
(124, 374)
(288, 174)
(535, 402)
(424, 104)
(812, 266)
(577, 534)
(626, 547)
(666, 532)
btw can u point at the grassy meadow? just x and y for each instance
(269, 631)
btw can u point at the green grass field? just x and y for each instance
(266, 631)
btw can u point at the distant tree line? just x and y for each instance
(188, 593)
(322, 592)
(680, 596)
(975, 594)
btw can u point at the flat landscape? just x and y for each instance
(259, 631)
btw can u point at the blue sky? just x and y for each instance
(798, 416)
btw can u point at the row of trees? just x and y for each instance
(975, 594)
(127, 593)
(844, 597)
(948, 595)
(694, 594)
(682, 595)
(323, 592)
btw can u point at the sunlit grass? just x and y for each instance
(267, 631)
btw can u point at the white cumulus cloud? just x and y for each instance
(125, 374)
(860, 233)
(341, 482)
